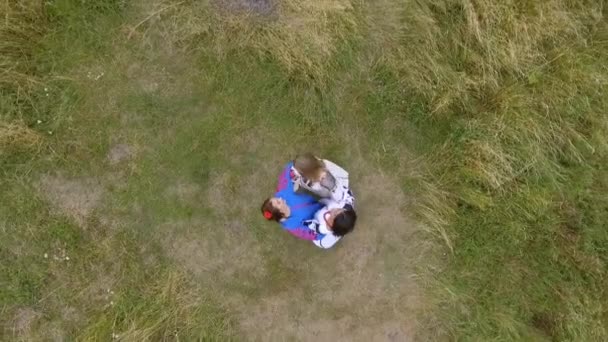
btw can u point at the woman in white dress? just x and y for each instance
(328, 182)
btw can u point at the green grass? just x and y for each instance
(490, 118)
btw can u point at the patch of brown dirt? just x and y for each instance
(53, 331)
(75, 198)
(218, 191)
(184, 191)
(147, 77)
(23, 321)
(215, 252)
(100, 287)
(119, 153)
(29, 325)
(70, 314)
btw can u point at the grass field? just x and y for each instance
(138, 138)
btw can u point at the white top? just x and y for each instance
(332, 187)
(338, 197)
(321, 219)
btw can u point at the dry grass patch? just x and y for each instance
(17, 135)
(491, 43)
(184, 191)
(23, 322)
(215, 253)
(303, 36)
(23, 22)
(75, 198)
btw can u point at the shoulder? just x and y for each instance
(335, 169)
(285, 177)
(287, 169)
(290, 223)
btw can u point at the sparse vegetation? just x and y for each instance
(135, 136)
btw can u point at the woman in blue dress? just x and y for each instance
(291, 209)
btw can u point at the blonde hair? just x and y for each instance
(309, 166)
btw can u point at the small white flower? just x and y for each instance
(46, 89)
(112, 303)
(50, 132)
(46, 255)
(38, 121)
(67, 258)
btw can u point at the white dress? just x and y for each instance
(332, 186)
(320, 225)
(339, 197)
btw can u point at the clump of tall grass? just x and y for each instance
(503, 74)
(302, 36)
(22, 25)
(17, 135)
(458, 51)
(523, 88)
(165, 309)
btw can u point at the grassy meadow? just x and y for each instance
(138, 138)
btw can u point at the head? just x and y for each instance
(275, 209)
(309, 166)
(342, 221)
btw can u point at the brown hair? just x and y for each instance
(309, 166)
(270, 212)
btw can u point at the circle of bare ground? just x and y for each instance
(75, 198)
(120, 153)
(23, 320)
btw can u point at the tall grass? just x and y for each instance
(167, 308)
(303, 37)
(521, 87)
(17, 136)
(23, 24)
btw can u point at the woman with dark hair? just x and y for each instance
(329, 182)
(333, 221)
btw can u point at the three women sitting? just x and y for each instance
(313, 201)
